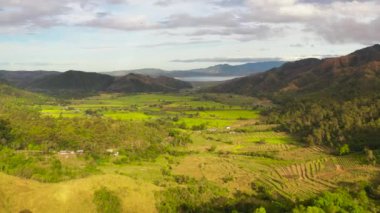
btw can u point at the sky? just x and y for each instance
(107, 35)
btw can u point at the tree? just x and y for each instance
(106, 201)
(345, 149)
(260, 210)
(5, 132)
(371, 158)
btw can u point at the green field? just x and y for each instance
(232, 151)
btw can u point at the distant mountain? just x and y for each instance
(144, 83)
(353, 75)
(24, 78)
(78, 83)
(73, 81)
(218, 70)
(148, 71)
(228, 70)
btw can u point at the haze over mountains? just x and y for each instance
(142, 80)
(217, 70)
(352, 75)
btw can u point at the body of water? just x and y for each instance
(207, 78)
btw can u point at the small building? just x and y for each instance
(66, 153)
(110, 151)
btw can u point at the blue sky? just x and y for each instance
(106, 35)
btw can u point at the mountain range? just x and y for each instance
(78, 83)
(355, 74)
(217, 70)
(352, 75)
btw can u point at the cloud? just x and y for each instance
(222, 3)
(137, 23)
(168, 44)
(348, 30)
(225, 19)
(225, 60)
(335, 21)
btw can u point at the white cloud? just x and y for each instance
(238, 19)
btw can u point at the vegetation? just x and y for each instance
(354, 122)
(340, 201)
(106, 201)
(192, 152)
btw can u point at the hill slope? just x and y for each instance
(79, 83)
(353, 75)
(24, 78)
(73, 80)
(144, 83)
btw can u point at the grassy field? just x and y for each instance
(233, 150)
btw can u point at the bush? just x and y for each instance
(212, 148)
(5, 132)
(344, 150)
(199, 127)
(106, 201)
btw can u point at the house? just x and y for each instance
(66, 154)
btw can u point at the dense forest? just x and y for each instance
(334, 123)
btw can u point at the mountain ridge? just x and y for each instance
(216, 70)
(355, 73)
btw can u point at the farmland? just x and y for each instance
(225, 148)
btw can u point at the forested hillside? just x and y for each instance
(143, 83)
(81, 84)
(354, 75)
(332, 102)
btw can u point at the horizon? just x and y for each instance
(213, 65)
(111, 35)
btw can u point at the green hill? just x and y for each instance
(73, 80)
(144, 83)
(77, 83)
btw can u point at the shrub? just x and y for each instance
(345, 149)
(199, 127)
(5, 132)
(106, 201)
(212, 148)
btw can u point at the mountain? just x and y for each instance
(24, 78)
(143, 83)
(148, 71)
(229, 70)
(78, 84)
(218, 70)
(352, 75)
(73, 81)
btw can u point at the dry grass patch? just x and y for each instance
(73, 196)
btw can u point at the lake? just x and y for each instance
(207, 78)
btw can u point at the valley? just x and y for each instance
(227, 148)
(178, 106)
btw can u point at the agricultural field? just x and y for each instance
(230, 150)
